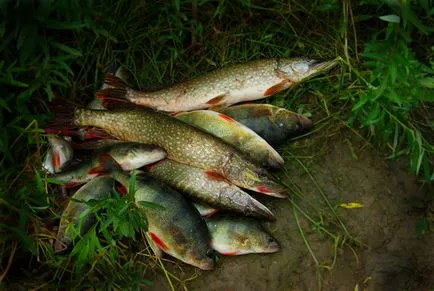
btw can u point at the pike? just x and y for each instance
(231, 236)
(182, 142)
(207, 187)
(129, 155)
(77, 213)
(220, 88)
(235, 134)
(175, 227)
(272, 123)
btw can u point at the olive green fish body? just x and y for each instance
(235, 134)
(178, 229)
(97, 188)
(129, 155)
(239, 235)
(272, 123)
(208, 187)
(232, 84)
(183, 143)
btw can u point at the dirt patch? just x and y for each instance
(391, 256)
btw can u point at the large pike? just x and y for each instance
(178, 228)
(182, 142)
(235, 134)
(98, 188)
(232, 236)
(272, 123)
(207, 187)
(237, 83)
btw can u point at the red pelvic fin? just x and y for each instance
(216, 100)
(227, 118)
(214, 176)
(56, 160)
(277, 88)
(158, 241)
(230, 254)
(122, 190)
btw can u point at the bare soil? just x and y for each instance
(347, 169)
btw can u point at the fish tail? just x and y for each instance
(65, 116)
(118, 92)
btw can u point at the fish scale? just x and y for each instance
(183, 143)
(232, 84)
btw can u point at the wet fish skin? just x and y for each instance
(232, 236)
(220, 88)
(129, 155)
(183, 143)
(209, 188)
(97, 188)
(205, 210)
(60, 152)
(272, 123)
(235, 134)
(178, 229)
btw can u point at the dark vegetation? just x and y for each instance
(383, 89)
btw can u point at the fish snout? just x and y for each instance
(273, 246)
(316, 65)
(303, 123)
(206, 264)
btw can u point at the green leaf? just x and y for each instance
(151, 205)
(66, 49)
(427, 82)
(391, 18)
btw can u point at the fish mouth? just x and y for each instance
(257, 209)
(206, 264)
(272, 247)
(304, 123)
(322, 65)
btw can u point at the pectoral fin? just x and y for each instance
(285, 84)
(157, 251)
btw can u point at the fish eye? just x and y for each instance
(210, 253)
(299, 125)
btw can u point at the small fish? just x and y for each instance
(98, 188)
(207, 187)
(229, 85)
(58, 155)
(235, 134)
(129, 155)
(178, 228)
(231, 236)
(272, 123)
(182, 142)
(205, 210)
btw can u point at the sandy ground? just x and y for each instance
(391, 256)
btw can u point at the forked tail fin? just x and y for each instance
(117, 93)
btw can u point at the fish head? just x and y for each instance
(134, 155)
(203, 262)
(260, 241)
(292, 121)
(299, 69)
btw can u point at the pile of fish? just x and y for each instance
(197, 156)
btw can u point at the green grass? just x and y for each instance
(63, 49)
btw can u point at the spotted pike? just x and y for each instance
(273, 123)
(178, 228)
(235, 134)
(232, 236)
(60, 152)
(98, 188)
(182, 142)
(207, 187)
(220, 88)
(129, 155)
